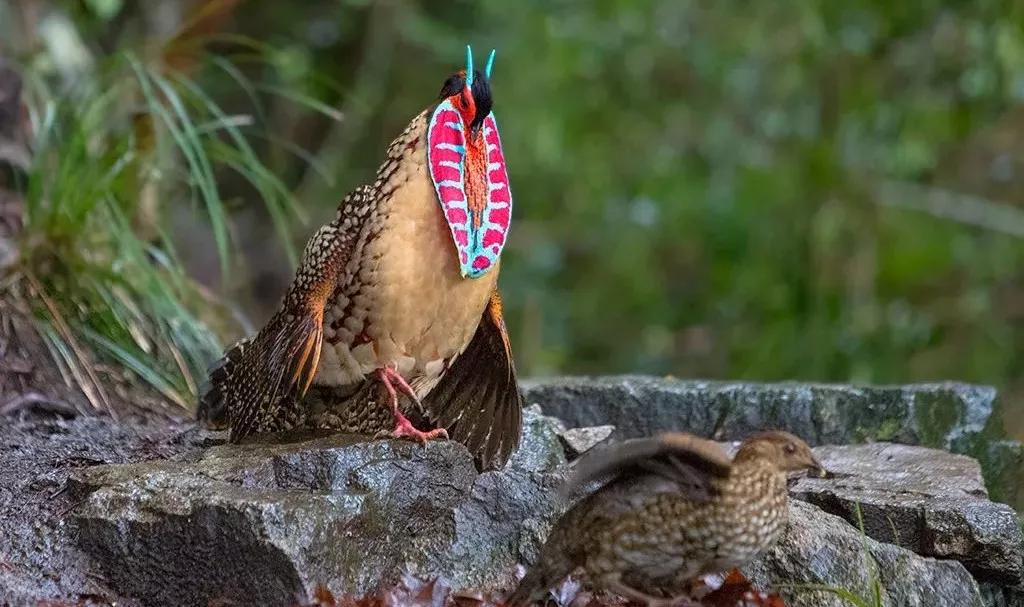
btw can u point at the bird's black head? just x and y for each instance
(471, 98)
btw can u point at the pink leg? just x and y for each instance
(403, 427)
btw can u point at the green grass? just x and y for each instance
(111, 154)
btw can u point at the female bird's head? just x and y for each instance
(467, 167)
(787, 452)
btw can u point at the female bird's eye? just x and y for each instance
(790, 448)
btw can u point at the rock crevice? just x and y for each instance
(188, 520)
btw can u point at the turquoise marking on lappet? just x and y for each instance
(461, 149)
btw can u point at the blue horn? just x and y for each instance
(469, 66)
(490, 63)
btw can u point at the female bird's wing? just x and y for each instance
(690, 463)
(478, 400)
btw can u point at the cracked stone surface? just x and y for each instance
(821, 549)
(578, 441)
(929, 501)
(271, 522)
(169, 515)
(932, 415)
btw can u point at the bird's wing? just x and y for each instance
(258, 382)
(213, 395)
(478, 400)
(690, 463)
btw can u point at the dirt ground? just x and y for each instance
(38, 451)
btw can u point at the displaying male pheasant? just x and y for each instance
(671, 508)
(394, 312)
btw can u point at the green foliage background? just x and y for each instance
(749, 190)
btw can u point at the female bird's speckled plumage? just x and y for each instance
(672, 508)
(379, 296)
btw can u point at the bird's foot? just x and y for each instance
(392, 378)
(404, 429)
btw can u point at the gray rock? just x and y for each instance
(578, 441)
(540, 448)
(926, 500)
(1002, 596)
(952, 416)
(820, 550)
(265, 523)
(996, 596)
(1002, 463)
(39, 560)
(933, 415)
(261, 523)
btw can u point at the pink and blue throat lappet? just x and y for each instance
(468, 169)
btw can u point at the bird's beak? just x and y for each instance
(817, 470)
(474, 128)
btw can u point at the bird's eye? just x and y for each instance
(790, 448)
(452, 85)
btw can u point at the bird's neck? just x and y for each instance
(762, 474)
(476, 177)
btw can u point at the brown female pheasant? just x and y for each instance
(671, 508)
(393, 314)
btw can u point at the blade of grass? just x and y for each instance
(188, 143)
(842, 593)
(244, 83)
(304, 101)
(75, 357)
(876, 586)
(230, 157)
(148, 373)
(53, 344)
(301, 153)
(275, 194)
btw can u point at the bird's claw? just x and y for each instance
(405, 430)
(403, 427)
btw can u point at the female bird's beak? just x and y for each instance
(817, 470)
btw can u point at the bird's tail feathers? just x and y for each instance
(259, 380)
(213, 402)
